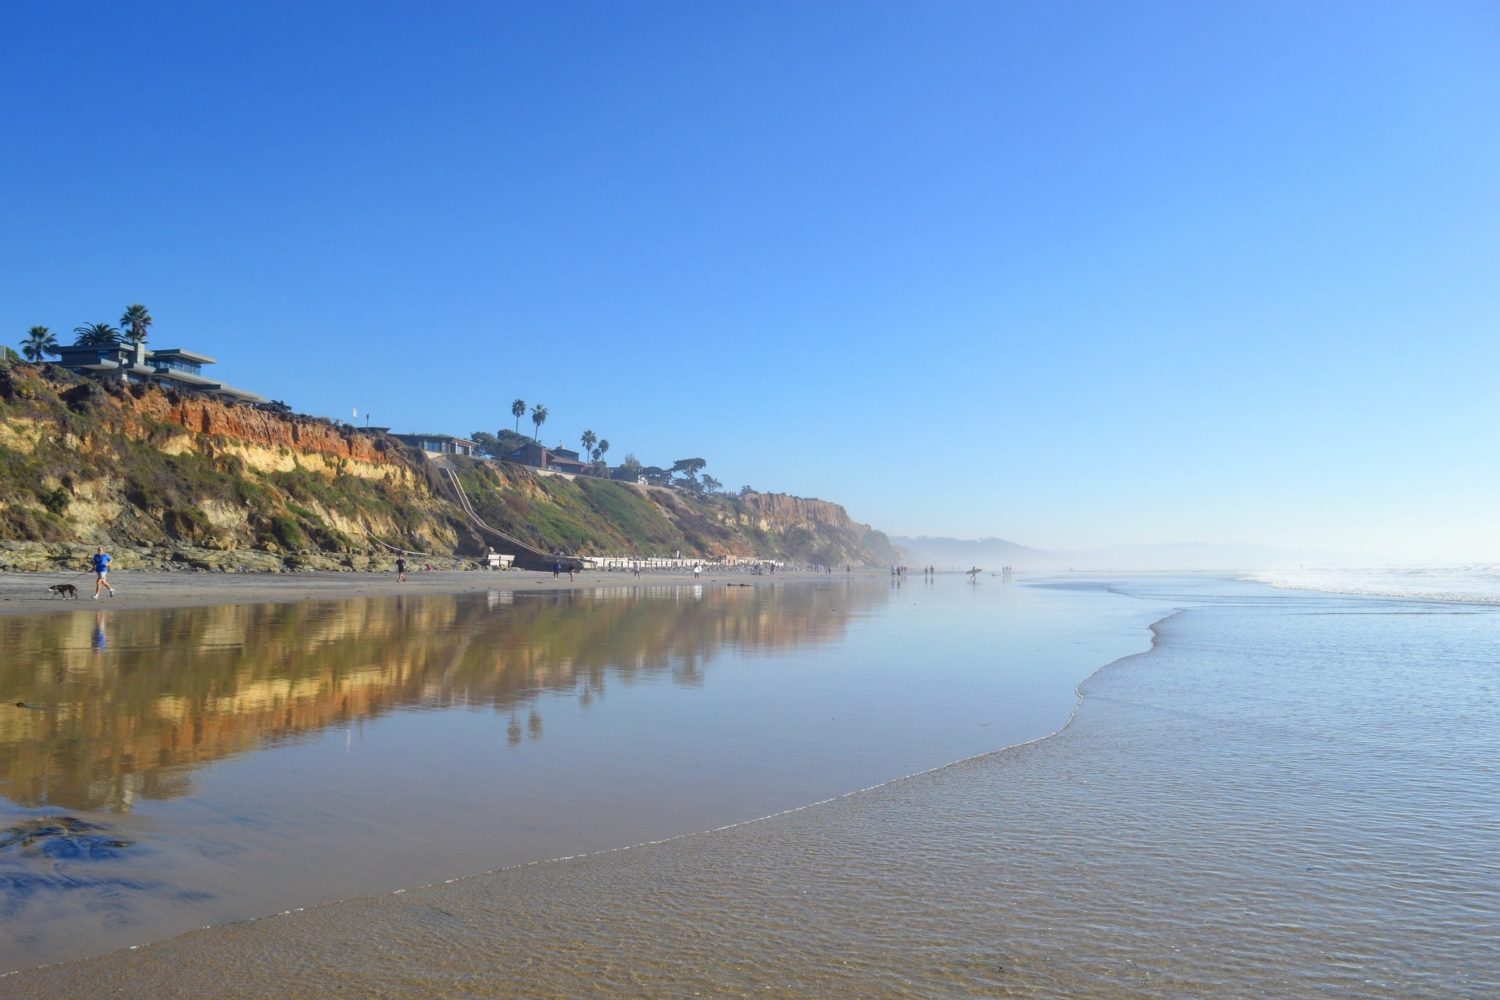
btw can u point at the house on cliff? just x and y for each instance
(132, 362)
(438, 444)
(557, 459)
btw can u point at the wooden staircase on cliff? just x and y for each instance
(526, 556)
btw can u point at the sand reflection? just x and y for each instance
(104, 708)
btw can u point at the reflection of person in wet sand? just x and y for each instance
(100, 639)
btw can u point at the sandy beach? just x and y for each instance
(1203, 826)
(26, 593)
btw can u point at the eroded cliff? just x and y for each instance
(183, 479)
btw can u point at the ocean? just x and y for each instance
(1473, 584)
(1275, 792)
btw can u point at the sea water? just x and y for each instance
(1472, 584)
(1290, 794)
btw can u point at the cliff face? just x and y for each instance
(179, 478)
(778, 511)
(264, 441)
(591, 516)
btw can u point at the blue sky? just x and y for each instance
(1073, 274)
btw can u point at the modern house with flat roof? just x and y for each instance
(438, 444)
(127, 361)
(557, 459)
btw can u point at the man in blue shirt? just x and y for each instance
(101, 571)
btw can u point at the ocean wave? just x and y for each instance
(1449, 584)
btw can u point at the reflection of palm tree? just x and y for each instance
(136, 320)
(539, 417)
(96, 335)
(534, 724)
(39, 341)
(518, 410)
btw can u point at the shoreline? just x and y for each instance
(26, 593)
(1184, 832)
(556, 862)
(155, 961)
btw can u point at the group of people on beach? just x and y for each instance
(101, 561)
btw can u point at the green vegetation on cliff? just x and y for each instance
(93, 463)
(157, 471)
(593, 516)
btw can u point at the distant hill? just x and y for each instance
(992, 553)
(987, 553)
(1194, 556)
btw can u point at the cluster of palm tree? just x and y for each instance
(594, 446)
(538, 416)
(40, 341)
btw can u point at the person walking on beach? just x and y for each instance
(556, 569)
(101, 572)
(400, 569)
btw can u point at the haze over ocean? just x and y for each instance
(1076, 274)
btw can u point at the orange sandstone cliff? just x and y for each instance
(179, 479)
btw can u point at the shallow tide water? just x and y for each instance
(171, 770)
(1289, 795)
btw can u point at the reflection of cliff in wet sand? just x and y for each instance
(128, 718)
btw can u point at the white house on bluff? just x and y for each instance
(438, 444)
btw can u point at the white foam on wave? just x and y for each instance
(1477, 584)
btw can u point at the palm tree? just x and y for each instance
(539, 417)
(96, 335)
(588, 440)
(603, 447)
(39, 341)
(518, 410)
(136, 320)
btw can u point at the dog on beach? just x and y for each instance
(66, 590)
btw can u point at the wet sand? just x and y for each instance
(26, 593)
(1202, 828)
(1205, 827)
(260, 757)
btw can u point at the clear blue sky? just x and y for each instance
(1067, 273)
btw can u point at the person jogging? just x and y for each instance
(101, 573)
